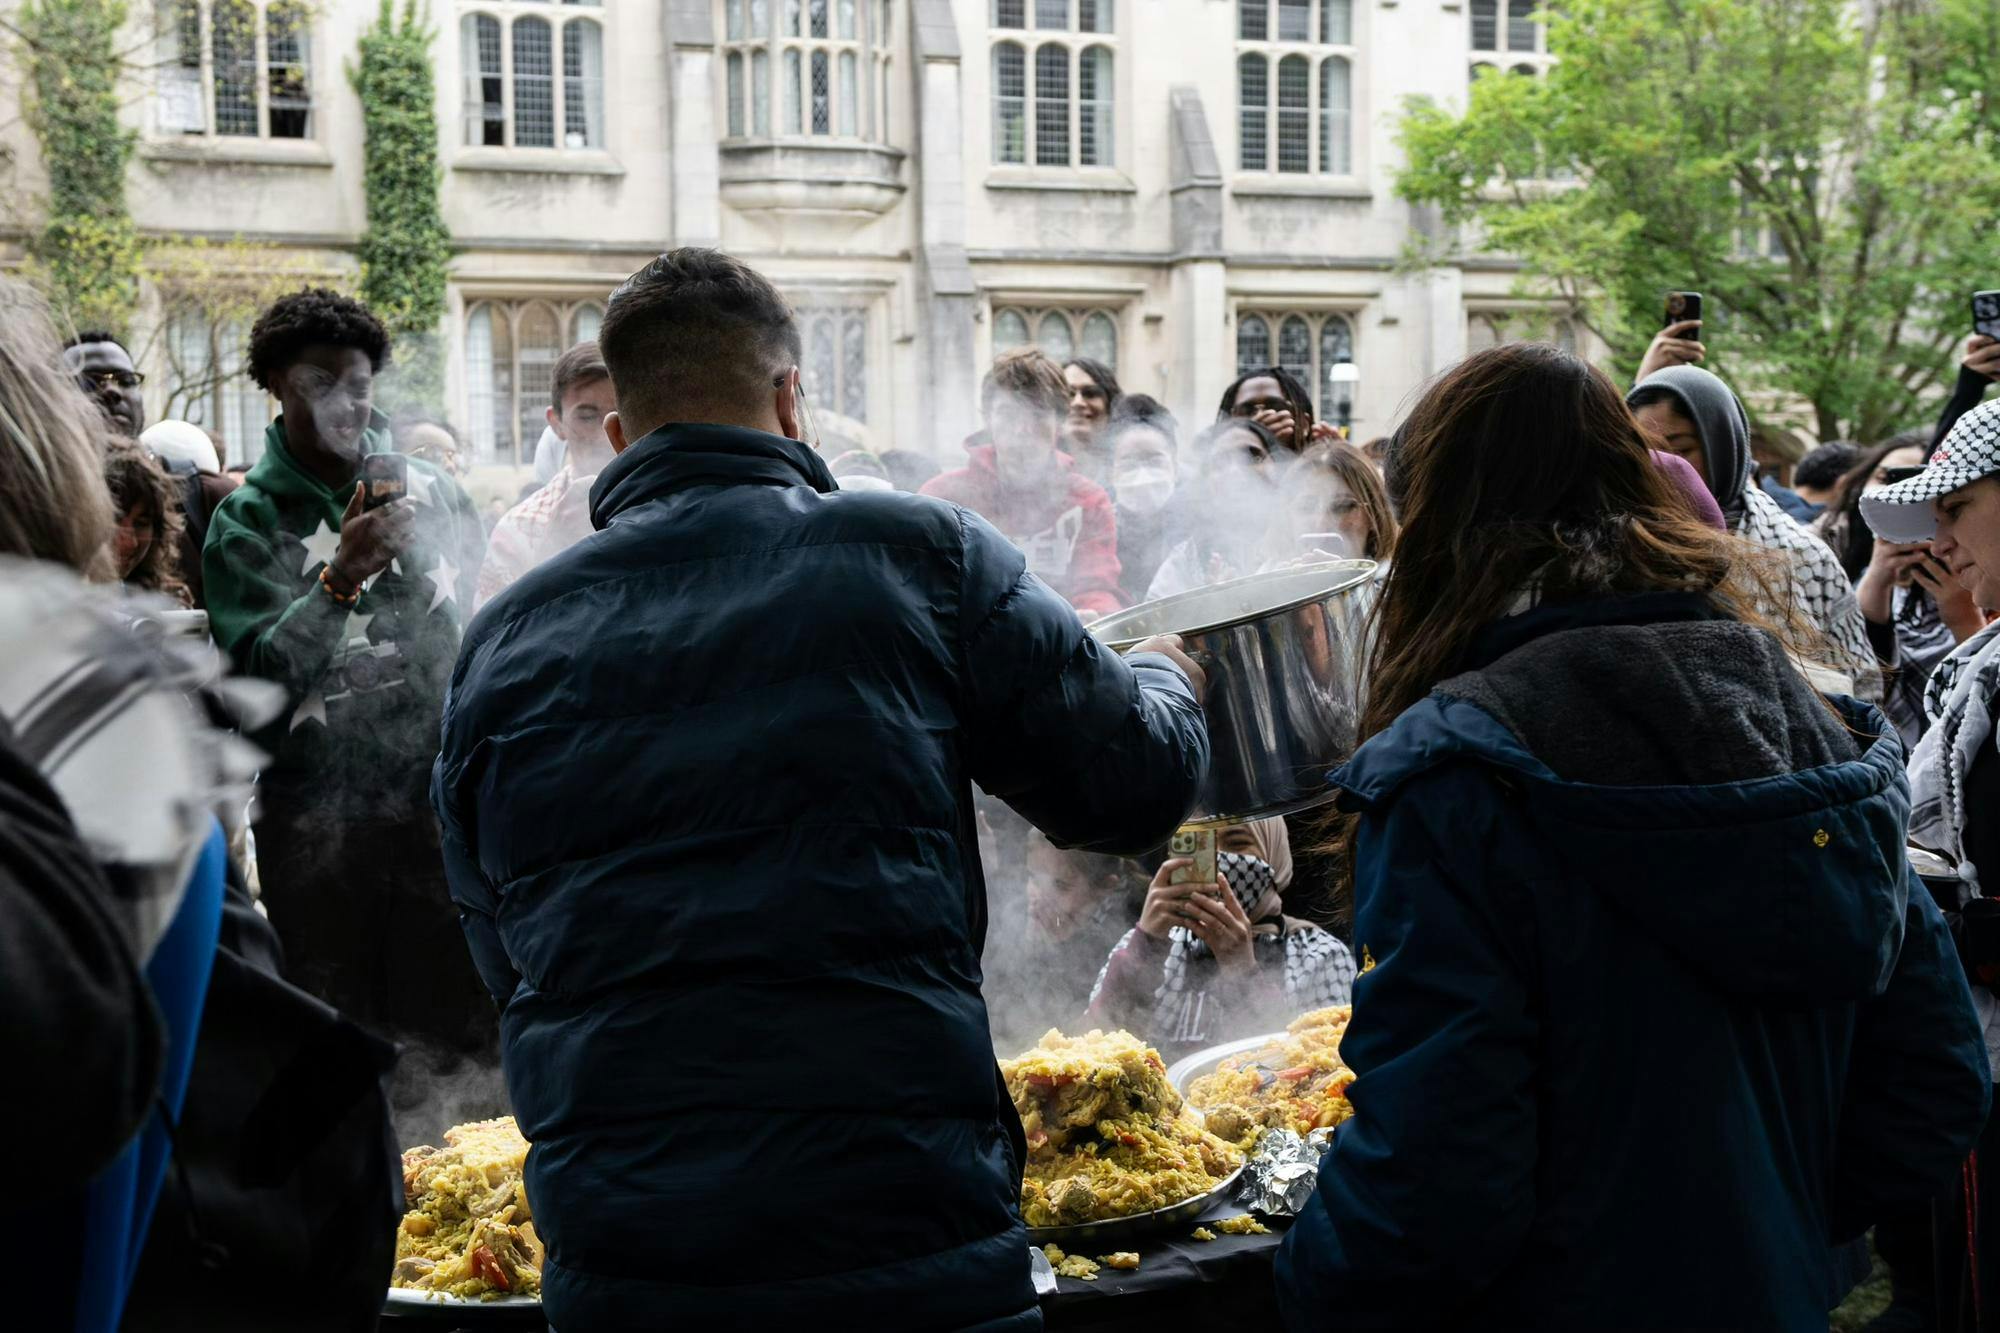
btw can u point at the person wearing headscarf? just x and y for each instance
(1211, 962)
(1695, 415)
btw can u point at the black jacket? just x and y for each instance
(707, 808)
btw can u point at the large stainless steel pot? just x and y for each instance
(1284, 654)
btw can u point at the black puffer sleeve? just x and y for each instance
(1097, 751)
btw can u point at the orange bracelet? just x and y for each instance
(346, 601)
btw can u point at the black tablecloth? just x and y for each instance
(1180, 1283)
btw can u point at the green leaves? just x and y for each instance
(406, 251)
(1830, 186)
(88, 254)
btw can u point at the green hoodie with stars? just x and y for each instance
(364, 687)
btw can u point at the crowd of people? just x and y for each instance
(739, 801)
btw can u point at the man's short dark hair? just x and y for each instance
(580, 365)
(695, 331)
(1822, 468)
(97, 336)
(313, 315)
(1142, 409)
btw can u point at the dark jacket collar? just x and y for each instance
(679, 456)
(1505, 635)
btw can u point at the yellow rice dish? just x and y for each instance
(1107, 1134)
(468, 1231)
(1296, 1081)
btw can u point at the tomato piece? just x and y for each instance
(488, 1270)
(1130, 1140)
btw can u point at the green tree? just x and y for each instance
(87, 253)
(1827, 174)
(406, 251)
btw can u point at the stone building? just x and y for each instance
(1172, 186)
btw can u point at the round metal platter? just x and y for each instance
(1099, 1237)
(1191, 1067)
(402, 1300)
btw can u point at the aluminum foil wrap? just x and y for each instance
(1280, 1175)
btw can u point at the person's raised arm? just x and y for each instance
(1976, 374)
(1097, 751)
(1675, 345)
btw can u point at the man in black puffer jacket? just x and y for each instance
(706, 788)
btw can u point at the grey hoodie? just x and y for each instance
(1719, 418)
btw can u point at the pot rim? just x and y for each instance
(1359, 572)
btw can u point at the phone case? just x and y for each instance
(1986, 313)
(1199, 844)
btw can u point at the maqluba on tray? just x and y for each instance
(1284, 654)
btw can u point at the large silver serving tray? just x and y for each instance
(1191, 1067)
(1284, 654)
(1093, 1238)
(458, 1309)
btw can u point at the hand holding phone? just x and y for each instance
(372, 536)
(1678, 343)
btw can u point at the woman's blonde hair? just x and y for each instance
(53, 501)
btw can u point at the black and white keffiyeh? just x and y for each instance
(1820, 592)
(1962, 700)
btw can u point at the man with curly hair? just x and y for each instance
(356, 612)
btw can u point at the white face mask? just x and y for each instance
(1144, 490)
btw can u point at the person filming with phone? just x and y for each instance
(1692, 413)
(342, 571)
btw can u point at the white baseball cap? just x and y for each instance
(1903, 513)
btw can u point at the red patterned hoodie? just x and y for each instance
(1068, 530)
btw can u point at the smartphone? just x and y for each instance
(387, 477)
(1198, 844)
(1986, 313)
(1682, 306)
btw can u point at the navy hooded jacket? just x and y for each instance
(1657, 1013)
(707, 808)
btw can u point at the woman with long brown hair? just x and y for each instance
(1334, 499)
(1648, 990)
(146, 543)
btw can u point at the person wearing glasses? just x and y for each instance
(743, 964)
(105, 373)
(1272, 397)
